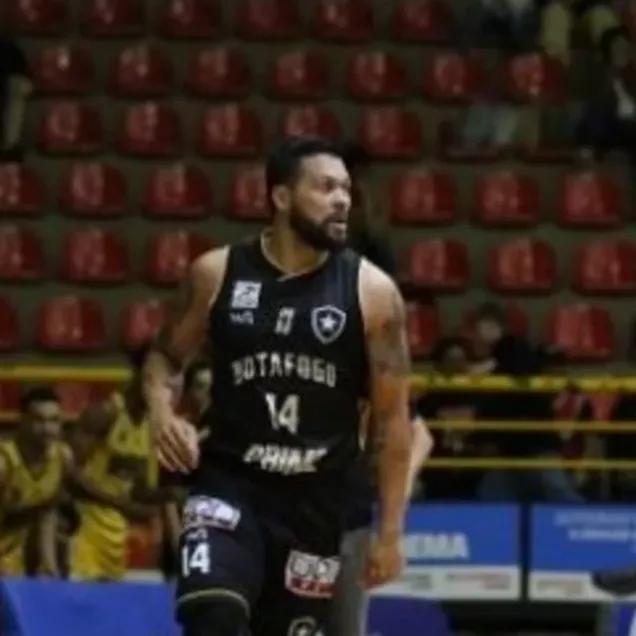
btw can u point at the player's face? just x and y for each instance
(320, 202)
(44, 420)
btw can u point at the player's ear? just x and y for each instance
(281, 197)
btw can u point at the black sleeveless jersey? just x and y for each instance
(289, 364)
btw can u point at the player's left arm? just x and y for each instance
(47, 541)
(389, 367)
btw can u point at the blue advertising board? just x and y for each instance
(582, 553)
(460, 552)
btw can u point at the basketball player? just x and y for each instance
(32, 469)
(115, 481)
(300, 330)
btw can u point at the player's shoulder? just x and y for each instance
(380, 298)
(211, 262)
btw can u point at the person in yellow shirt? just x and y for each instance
(33, 465)
(116, 480)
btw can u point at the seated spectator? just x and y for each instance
(15, 88)
(451, 357)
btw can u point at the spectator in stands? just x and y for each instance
(451, 356)
(15, 88)
(117, 480)
(33, 466)
(511, 355)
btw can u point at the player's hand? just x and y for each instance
(177, 443)
(384, 561)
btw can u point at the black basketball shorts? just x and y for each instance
(230, 553)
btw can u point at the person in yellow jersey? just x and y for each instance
(116, 480)
(33, 465)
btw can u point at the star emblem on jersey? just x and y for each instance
(245, 295)
(327, 323)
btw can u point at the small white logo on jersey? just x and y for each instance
(245, 295)
(327, 323)
(242, 317)
(285, 321)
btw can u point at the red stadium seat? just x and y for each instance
(150, 130)
(75, 397)
(506, 199)
(70, 128)
(113, 18)
(268, 19)
(10, 396)
(315, 121)
(21, 257)
(169, 255)
(452, 77)
(423, 196)
(94, 189)
(391, 133)
(423, 329)
(584, 333)
(436, 264)
(344, 20)
(36, 17)
(422, 21)
(532, 77)
(606, 267)
(248, 195)
(141, 71)
(189, 18)
(523, 266)
(141, 322)
(178, 191)
(70, 324)
(300, 75)
(94, 256)
(9, 333)
(230, 131)
(589, 199)
(376, 75)
(64, 69)
(21, 192)
(220, 72)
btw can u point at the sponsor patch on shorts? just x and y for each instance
(310, 575)
(203, 511)
(305, 626)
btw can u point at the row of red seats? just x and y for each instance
(98, 256)
(334, 20)
(74, 324)
(502, 198)
(522, 266)
(153, 129)
(145, 71)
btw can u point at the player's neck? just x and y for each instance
(31, 452)
(288, 253)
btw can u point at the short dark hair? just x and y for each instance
(37, 394)
(491, 311)
(137, 356)
(446, 344)
(284, 160)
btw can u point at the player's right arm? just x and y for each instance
(177, 344)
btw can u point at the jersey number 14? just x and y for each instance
(283, 413)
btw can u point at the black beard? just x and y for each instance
(314, 235)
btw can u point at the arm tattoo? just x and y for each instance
(388, 349)
(177, 310)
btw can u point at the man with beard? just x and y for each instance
(300, 331)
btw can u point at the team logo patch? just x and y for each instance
(310, 575)
(245, 295)
(327, 323)
(208, 511)
(305, 626)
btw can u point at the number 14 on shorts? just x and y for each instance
(195, 558)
